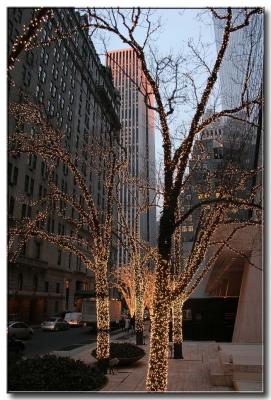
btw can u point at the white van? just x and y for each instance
(73, 318)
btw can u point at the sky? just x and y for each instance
(178, 26)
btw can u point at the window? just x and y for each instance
(57, 287)
(35, 283)
(65, 170)
(44, 35)
(53, 92)
(43, 169)
(32, 161)
(43, 77)
(26, 183)
(12, 174)
(218, 153)
(46, 58)
(58, 257)
(26, 211)
(11, 206)
(20, 281)
(55, 73)
(81, 201)
(46, 286)
(41, 96)
(23, 214)
(38, 250)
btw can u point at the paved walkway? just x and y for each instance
(188, 375)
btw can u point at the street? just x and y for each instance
(43, 341)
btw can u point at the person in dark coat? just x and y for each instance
(132, 322)
(122, 323)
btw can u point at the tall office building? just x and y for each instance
(236, 278)
(227, 291)
(137, 137)
(76, 93)
(243, 57)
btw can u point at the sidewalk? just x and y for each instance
(188, 375)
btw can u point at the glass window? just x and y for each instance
(59, 257)
(11, 206)
(20, 281)
(35, 283)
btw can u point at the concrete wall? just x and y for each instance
(249, 319)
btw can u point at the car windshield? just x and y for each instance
(51, 319)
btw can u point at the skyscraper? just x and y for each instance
(243, 58)
(137, 137)
(66, 78)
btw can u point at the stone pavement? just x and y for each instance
(192, 374)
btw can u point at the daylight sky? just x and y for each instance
(178, 26)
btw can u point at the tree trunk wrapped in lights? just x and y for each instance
(140, 253)
(103, 317)
(94, 248)
(177, 326)
(177, 268)
(175, 163)
(138, 293)
(158, 369)
(167, 69)
(139, 302)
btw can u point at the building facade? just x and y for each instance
(234, 286)
(137, 137)
(243, 59)
(75, 91)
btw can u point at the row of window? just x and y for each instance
(35, 284)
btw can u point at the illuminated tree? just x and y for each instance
(140, 253)
(177, 268)
(168, 86)
(123, 278)
(91, 227)
(29, 35)
(166, 71)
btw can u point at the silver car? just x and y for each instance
(54, 324)
(19, 330)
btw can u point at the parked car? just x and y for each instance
(15, 345)
(54, 324)
(73, 318)
(19, 330)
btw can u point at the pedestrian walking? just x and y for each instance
(132, 321)
(122, 323)
(127, 324)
